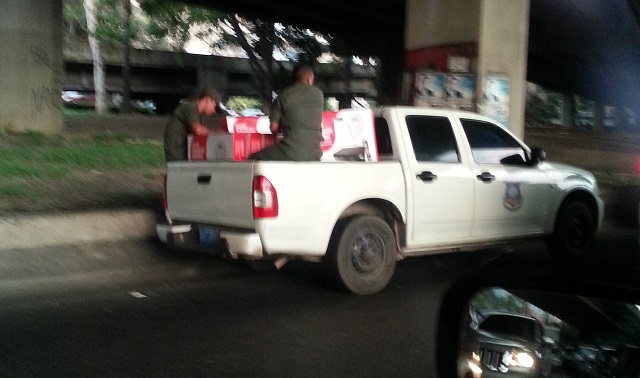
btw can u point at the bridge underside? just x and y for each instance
(587, 47)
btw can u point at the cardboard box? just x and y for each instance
(348, 134)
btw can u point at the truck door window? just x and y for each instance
(432, 139)
(491, 144)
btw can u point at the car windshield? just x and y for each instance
(512, 326)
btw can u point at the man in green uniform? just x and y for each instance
(297, 113)
(187, 120)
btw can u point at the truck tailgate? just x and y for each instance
(217, 193)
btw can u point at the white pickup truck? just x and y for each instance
(444, 181)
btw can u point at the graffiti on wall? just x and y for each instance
(45, 97)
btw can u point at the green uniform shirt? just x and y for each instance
(179, 126)
(298, 111)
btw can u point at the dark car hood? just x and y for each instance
(499, 341)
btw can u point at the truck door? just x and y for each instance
(512, 196)
(442, 189)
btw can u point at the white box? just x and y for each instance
(348, 134)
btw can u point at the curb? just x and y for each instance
(32, 231)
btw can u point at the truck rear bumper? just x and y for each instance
(234, 243)
(165, 231)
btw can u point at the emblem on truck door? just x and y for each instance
(512, 200)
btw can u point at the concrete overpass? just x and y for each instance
(166, 77)
(588, 47)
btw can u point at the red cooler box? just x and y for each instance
(348, 134)
(246, 136)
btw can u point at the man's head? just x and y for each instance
(207, 101)
(303, 73)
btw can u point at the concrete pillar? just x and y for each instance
(31, 70)
(568, 105)
(492, 34)
(502, 59)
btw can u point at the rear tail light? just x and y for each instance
(164, 192)
(265, 198)
(165, 205)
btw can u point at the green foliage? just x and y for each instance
(498, 300)
(542, 106)
(239, 103)
(166, 23)
(74, 19)
(176, 21)
(112, 28)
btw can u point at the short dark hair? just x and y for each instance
(211, 93)
(301, 70)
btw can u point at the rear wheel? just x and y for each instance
(573, 236)
(362, 254)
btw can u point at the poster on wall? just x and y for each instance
(458, 63)
(429, 89)
(461, 91)
(495, 97)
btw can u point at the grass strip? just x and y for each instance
(37, 155)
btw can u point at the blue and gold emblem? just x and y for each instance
(513, 199)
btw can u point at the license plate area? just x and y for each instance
(208, 236)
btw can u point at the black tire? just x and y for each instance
(574, 233)
(362, 254)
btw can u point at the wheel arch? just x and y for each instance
(582, 196)
(373, 206)
(384, 209)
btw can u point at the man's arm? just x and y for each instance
(275, 115)
(199, 129)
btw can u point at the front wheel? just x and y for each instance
(362, 254)
(574, 233)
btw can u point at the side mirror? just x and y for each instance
(601, 316)
(515, 159)
(608, 327)
(538, 155)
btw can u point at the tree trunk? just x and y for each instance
(98, 65)
(261, 68)
(267, 96)
(125, 106)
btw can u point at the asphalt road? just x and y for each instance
(137, 309)
(209, 317)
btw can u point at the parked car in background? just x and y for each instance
(75, 98)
